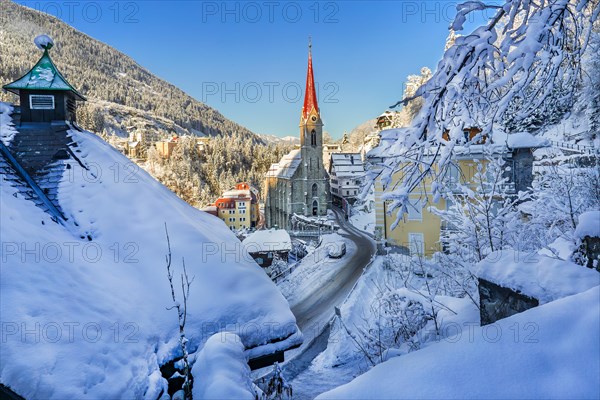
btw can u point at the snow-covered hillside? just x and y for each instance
(90, 319)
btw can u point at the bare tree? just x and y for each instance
(181, 316)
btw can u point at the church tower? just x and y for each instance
(315, 182)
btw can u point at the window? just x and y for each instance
(467, 135)
(453, 173)
(416, 243)
(415, 211)
(313, 138)
(41, 102)
(315, 190)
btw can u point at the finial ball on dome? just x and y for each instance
(43, 42)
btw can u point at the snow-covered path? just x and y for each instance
(314, 313)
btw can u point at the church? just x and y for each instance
(298, 183)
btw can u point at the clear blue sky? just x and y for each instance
(248, 59)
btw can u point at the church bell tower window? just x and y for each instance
(313, 138)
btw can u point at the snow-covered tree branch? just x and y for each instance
(518, 71)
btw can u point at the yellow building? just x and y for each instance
(420, 230)
(238, 207)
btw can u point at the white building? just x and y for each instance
(346, 172)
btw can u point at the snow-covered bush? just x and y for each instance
(410, 301)
(276, 386)
(561, 193)
(397, 316)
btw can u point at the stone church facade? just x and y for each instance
(298, 183)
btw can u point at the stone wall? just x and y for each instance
(497, 302)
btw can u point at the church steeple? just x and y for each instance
(310, 94)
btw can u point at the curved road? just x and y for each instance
(314, 314)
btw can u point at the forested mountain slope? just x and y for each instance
(106, 76)
(124, 97)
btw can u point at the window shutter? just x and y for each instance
(41, 102)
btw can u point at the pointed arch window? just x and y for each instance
(313, 138)
(315, 190)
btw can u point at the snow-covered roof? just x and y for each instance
(237, 194)
(347, 164)
(520, 140)
(589, 225)
(268, 240)
(43, 76)
(286, 167)
(538, 276)
(398, 140)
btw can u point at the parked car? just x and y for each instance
(337, 251)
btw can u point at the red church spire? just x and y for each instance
(310, 94)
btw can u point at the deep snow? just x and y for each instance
(89, 319)
(547, 352)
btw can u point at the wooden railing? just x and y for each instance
(575, 147)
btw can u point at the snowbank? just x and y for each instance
(268, 240)
(7, 130)
(538, 276)
(547, 352)
(365, 221)
(589, 225)
(221, 370)
(89, 319)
